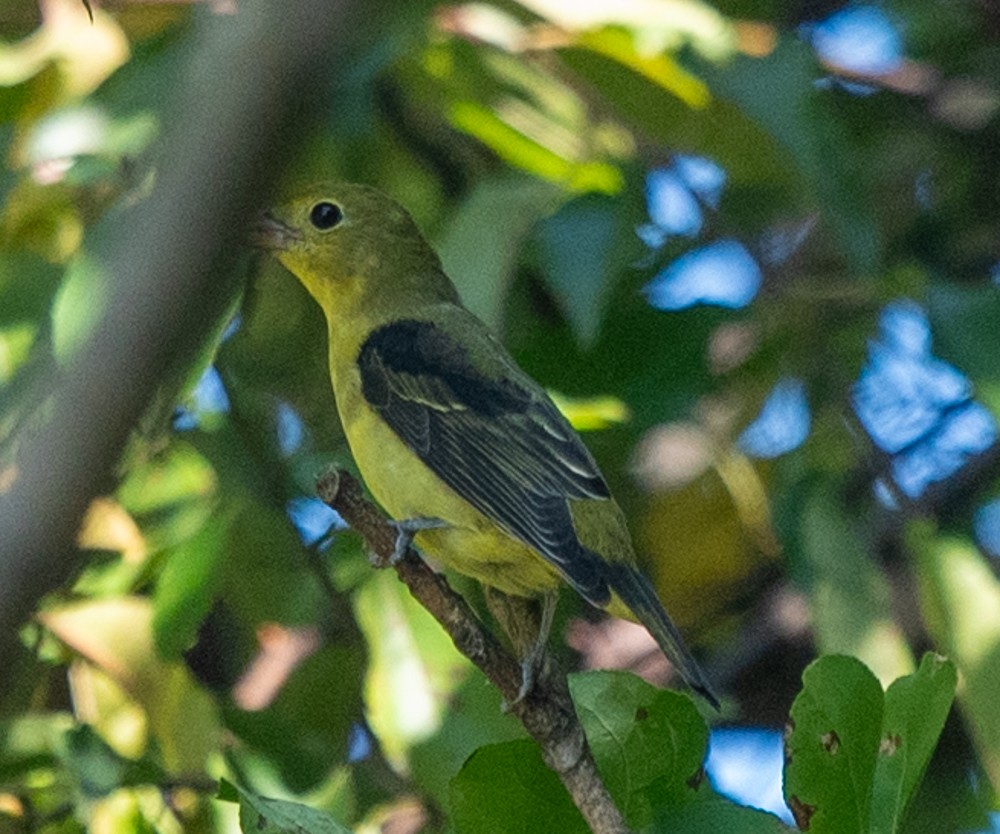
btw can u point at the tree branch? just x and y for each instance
(546, 711)
(252, 90)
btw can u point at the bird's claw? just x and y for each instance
(406, 529)
(530, 667)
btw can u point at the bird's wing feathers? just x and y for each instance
(496, 440)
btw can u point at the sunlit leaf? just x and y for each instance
(593, 413)
(523, 152)
(116, 635)
(960, 599)
(414, 666)
(657, 67)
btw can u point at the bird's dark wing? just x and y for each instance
(498, 441)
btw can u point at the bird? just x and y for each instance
(466, 452)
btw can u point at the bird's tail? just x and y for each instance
(636, 591)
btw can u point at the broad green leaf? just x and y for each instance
(478, 253)
(171, 496)
(658, 67)
(99, 770)
(653, 361)
(960, 599)
(15, 347)
(27, 286)
(916, 707)
(836, 723)
(188, 586)
(97, 767)
(960, 315)
(649, 743)
(260, 815)
(506, 787)
(851, 604)
(79, 305)
(474, 718)
(716, 815)
(582, 250)
(265, 576)
(800, 118)
(133, 811)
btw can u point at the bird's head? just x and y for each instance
(347, 242)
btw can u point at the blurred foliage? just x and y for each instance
(221, 627)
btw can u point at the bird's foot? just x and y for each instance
(531, 667)
(406, 529)
(533, 663)
(531, 671)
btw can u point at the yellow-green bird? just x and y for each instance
(463, 449)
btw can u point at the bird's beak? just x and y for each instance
(269, 233)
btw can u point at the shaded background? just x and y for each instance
(753, 249)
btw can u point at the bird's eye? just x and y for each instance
(325, 215)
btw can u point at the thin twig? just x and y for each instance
(546, 711)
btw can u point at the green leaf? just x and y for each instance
(506, 787)
(915, 711)
(521, 151)
(31, 742)
(79, 305)
(715, 815)
(836, 723)
(850, 596)
(960, 315)
(800, 119)
(474, 718)
(99, 769)
(187, 587)
(649, 743)
(478, 253)
(960, 599)
(582, 250)
(718, 130)
(171, 496)
(259, 586)
(260, 815)
(27, 286)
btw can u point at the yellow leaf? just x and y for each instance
(116, 636)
